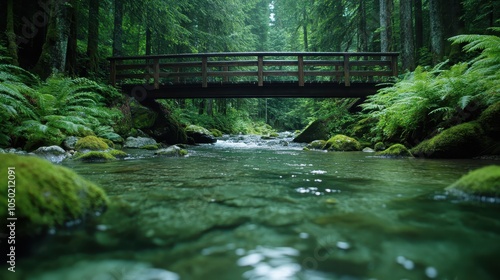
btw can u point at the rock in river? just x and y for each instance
(54, 154)
(200, 135)
(139, 142)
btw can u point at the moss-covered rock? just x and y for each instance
(379, 146)
(47, 195)
(139, 142)
(462, 141)
(118, 153)
(397, 150)
(92, 143)
(95, 156)
(490, 121)
(317, 130)
(200, 134)
(481, 182)
(216, 133)
(172, 151)
(341, 142)
(316, 145)
(151, 147)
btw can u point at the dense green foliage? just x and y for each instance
(429, 100)
(36, 113)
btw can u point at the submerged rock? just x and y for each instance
(109, 269)
(465, 140)
(139, 142)
(48, 195)
(92, 143)
(200, 135)
(342, 143)
(317, 130)
(172, 151)
(54, 154)
(481, 182)
(397, 150)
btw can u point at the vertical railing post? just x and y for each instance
(113, 72)
(301, 71)
(347, 75)
(394, 65)
(226, 77)
(204, 71)
(156, 73)
(260, 70)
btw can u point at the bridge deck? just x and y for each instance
(219, 75)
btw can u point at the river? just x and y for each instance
(244, 208)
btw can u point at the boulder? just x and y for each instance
(172, 151)
(70, 142)
(92, 143)
(379, 146)
(480, 182)
(341, 142)
(397, 150)
(47, 196)
(490, 121)
(316, 145)
(200, 135)
(368, 150)
(465, 140)
(317, 130)
(139, 142)
(54, 154)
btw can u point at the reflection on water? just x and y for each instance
(245, 208)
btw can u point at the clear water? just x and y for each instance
(242, 209)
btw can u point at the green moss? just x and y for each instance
(198, 129)
(95, 156)
(379, 146)
(151, 147)
(484, 182)
(317, 130)
(397, 150)
(118, 153)
(108, 142)
(316, 145)
(342, 143)
(47, 195)
(462, 141)
(490, 120)
(91, 143)
(183, 153)
(215, 132)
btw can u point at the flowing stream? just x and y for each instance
(245, 208)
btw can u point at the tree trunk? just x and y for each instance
(419, 25)
(385, 25)
(363, 32)
(93, 37)
(118, 29)
(436, 31)
(11, 35)
(54, 50)
(407, 42)
(71, 56)
(304, 28)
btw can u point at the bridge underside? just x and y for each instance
(251, 90)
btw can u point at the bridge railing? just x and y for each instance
(255, 67)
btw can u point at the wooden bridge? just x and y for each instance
(255, 74)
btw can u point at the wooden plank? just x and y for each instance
(280, 63)
(323, 73)
(347, 78)
(278, 73)
(180, 74)
(301, 71)
(394, 65)
(370, 73)
(232, 63)
(204, 70)
(156, 73)
(260, 70)
(131, 76)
